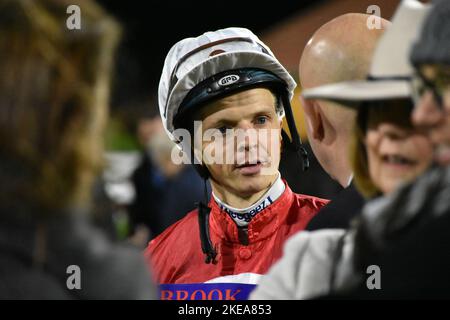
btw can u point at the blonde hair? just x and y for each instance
(54, 88)
(358, 157)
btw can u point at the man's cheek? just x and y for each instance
(446, 100)
(222, 171)
(445, 135)
(441, 135)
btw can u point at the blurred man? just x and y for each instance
(231, 84)
(158, 180)
(324, 261)
(411, 244)
(340, 50)
(431, 57)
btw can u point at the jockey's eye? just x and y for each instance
(223, 129)
(261, 120)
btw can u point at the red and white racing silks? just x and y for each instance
(178, 262)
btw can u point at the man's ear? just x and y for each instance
(313, 117)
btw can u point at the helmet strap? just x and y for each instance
(295, 142)
(203, 223)
(203, 214)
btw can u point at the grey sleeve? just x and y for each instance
(304, 270)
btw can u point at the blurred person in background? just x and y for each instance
(54, 88)
(158, 180)
(141, 178)
(340, 50)
(407, 234)
(387, 152)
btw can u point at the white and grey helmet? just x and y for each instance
(215, 64)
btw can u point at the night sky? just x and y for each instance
(151, 28)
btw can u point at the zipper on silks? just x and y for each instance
(243, 235)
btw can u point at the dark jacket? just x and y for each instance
(407, 236)
(35, 256)
(154, 204)
(338, 213)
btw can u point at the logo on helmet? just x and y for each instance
(228, 80)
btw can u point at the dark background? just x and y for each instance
(152, 27)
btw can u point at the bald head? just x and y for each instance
(341, 50)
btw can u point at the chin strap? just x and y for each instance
(203, 222)
(296, 143)
(203, 215)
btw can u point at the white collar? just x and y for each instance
(242, 217)
(350, 179)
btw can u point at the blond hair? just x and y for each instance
(54, 88)
(358, 157)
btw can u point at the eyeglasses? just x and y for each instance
(438, 86)
(173, 76)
